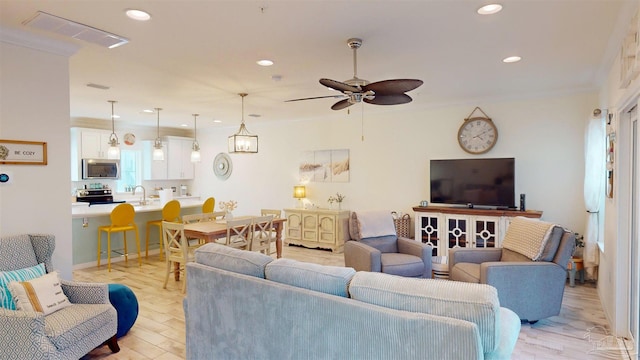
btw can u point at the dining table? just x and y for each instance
(209, 231)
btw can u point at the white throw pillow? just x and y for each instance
(527, 236)
(43, 294)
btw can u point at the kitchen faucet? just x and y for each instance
(144, 194)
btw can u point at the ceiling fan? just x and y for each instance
(355, 90)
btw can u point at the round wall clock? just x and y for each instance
(477, 135)
(222, 166)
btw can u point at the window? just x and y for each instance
(130, 170)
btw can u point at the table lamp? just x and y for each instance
(299, 192)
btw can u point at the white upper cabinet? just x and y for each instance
(179, 156)
(94, 144)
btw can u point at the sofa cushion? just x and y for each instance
(327, 279)
(551, 247)
(6, 299)
(367, 224)
(43, 294)
(230, 259)
(402, 264)
(477, 303)
(467, 272)
(527, 236)
(65, 327)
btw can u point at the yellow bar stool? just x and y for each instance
(209, 205)
(122, 219)
(171, 213)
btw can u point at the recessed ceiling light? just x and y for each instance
(254, 115)
(184, 125)
(115, 116)
(264, 62)
(511, 59)
(217, 121)
(138, 14)
(147, 111)
(490, 9)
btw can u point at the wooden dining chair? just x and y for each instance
(277, 214)
(262, 234)
(239, 233)
(178, 250)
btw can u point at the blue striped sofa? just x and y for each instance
(245, 305)
(69, 333)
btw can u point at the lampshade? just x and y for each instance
(299, 192)
(195, 148)
(243, 141)
(114, 145)
(158, 153)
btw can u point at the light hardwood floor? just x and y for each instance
(579, 332)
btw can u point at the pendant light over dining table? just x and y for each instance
(195, 148)
(243, 142)
(114, 145)
(158, 152)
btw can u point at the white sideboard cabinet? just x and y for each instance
(449, 227)
(317, 228)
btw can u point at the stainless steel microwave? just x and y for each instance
(100, 169)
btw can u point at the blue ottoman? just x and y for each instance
(126, 304)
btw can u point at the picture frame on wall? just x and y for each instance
(18, 152)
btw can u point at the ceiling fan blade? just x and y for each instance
(392, 99)
(396, 86)
(337, 85)
(317, 97)
(341, 104)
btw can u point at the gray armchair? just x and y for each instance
(69, 333)
(532, 289)
(375, 247)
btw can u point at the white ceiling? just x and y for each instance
(196, 56)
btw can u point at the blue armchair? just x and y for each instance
(69, 333)
(375, 247)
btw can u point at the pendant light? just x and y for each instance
(158, 153)
(243, 141)
(114, 145)
(195, 148)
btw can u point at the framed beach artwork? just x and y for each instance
(325, 166)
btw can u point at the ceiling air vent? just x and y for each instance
(69, 28)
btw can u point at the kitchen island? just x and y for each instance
(86, 220)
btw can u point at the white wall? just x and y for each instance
(34, 106)
(390, 168)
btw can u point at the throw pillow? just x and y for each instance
(527, 236)
(6, 300)
(43, 294)
(368, 224)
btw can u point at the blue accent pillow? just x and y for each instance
(30, 273)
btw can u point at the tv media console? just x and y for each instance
(447, 227)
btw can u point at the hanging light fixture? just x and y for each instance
(158, 153)
(195, 148)
(243, 141)
(114, 145)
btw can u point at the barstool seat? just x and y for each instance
(170, 212)
(122, 220)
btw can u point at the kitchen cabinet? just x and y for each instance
(94, 144)
(317, 228)
(179, 158)
(153, 169)
(445, 228)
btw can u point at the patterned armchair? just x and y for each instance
(69, 333)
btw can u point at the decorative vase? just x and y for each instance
(228, 215)
(339, 205)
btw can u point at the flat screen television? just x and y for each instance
(474, 182)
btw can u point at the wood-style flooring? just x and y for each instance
(579, 332)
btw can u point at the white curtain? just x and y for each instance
(594, 188)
